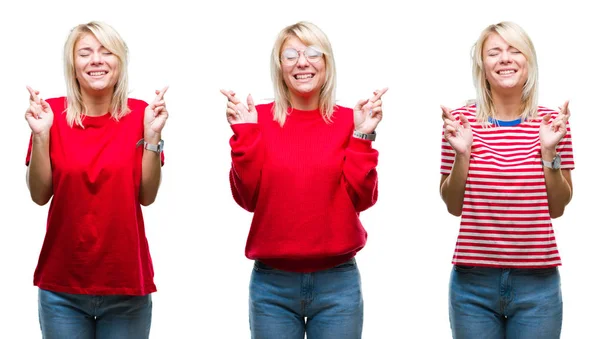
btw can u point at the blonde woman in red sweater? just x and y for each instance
(306, 168)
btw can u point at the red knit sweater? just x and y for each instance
(306, 183)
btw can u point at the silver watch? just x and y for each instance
(364, 136)
(154, 148)
(554, 164)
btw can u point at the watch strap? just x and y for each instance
(364, 136)
(554, 164)
(154, 148)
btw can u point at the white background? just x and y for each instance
(197, 233)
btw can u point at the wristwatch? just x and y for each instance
(364, 136)
(554, 164)
(154, 148)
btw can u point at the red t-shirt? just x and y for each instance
(306, 183)
(95, 239)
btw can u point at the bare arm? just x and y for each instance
(39, 171)
(460, 137)
(452, 186)
(40, 117)
(151, 174)
(559, 188)
(155, 117)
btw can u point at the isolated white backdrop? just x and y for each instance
(197, 233)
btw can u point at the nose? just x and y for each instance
(505, 57)
(97, 59)
(302, 61)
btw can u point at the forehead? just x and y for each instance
(87, 40)
(494, 40)
(293, 42)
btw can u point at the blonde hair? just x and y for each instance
(112, 41)
(309, 34)
(515, 36)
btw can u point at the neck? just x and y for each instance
(96, 104)
(307, 103)
(508, 106)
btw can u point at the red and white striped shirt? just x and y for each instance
(505, 218)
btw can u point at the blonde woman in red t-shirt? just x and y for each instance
(306, 168)
(98, 155)
(506, 170)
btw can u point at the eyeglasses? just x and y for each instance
(290, 56)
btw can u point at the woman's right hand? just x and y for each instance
(39, 115)
(460, 136)
(237, 112)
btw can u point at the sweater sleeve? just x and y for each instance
(360, 174)
(247, 156)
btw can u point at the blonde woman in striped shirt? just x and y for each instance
(506, 166)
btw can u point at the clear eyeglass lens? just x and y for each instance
(290, 55)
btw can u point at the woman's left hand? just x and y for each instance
(368, 113)
(552, 132)
(155, 116)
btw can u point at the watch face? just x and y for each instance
(556, 162)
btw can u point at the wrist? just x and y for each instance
(41, 138)
(364, 130)
(548, 154)
(465, 156)
(152, 139)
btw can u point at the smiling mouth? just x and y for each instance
(303, 76)
(507, 72)
(97, 73)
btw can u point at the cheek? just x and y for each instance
(286, 74)
(525, 69)
(488, 68)
(322, 71)
(79, 68)
(286, 71)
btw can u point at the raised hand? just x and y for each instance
(155, 116)
(460, 136)
(552, 132)
(39, 115)
(368, 113)
(237, 112)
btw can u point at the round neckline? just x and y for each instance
(300, 114)
(96, 120)
(292, 109)
(505, 123)
(97, 116)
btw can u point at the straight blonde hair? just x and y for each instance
(112, 41)
(309, 34)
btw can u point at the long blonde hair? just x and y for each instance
(112, 41)
(308, 34)
(515, 36)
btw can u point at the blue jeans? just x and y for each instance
(498, 303)
(330, 300)
(80, 316)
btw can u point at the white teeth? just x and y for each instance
(303, 76)
(507, 72)
(97, 73)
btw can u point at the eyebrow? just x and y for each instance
(499, 48)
